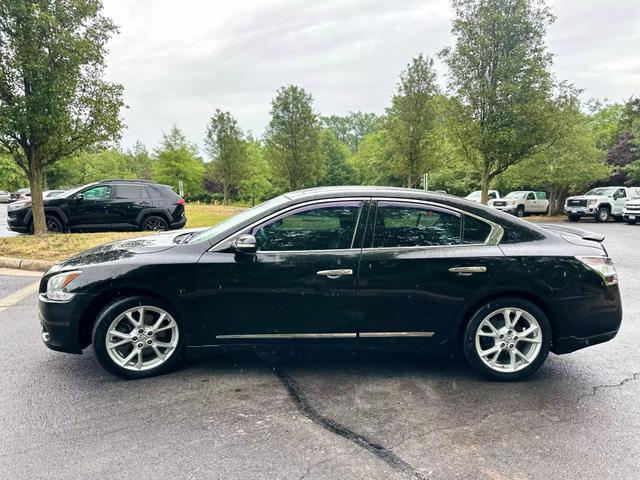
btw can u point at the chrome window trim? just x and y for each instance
(395, 334)
(493, 238)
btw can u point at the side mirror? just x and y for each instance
(244, 244)
(79, 197)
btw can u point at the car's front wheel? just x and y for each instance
(507, 339)
(138, 337)
(520, 211)
(573, 218)
(603, 214)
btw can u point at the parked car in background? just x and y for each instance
(341, 267)
(476, 196)
(106, 205)
(522, 202)
(5, 197)
(631, 211)
(22, 194)
(52, 193)
(600, 203)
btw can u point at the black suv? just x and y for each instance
(106, 205)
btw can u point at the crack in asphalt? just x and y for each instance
(595, 388)
(380, 451)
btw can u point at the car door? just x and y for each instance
(95, 208)
(299, 284)
(530, 203)
(421, 264)
(619, 200)
(128, 203)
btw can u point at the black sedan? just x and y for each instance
(340, 266)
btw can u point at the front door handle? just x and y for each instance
(467, 271)
(340, 272)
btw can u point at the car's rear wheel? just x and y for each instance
(602, 215)
(507, 339)
(154, 223)
(138, 337)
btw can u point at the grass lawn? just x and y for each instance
(60, 246)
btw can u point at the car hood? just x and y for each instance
(127, 248)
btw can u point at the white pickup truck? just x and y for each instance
(475, 196)
(521, 203)
(600, 203)
(631, 212)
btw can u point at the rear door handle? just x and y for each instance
(340, 272)
(467, 271)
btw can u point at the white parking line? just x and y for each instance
(18, 296)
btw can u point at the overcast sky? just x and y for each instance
(179, 60)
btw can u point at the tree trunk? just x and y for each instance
(225, 193)
(557, 197)
(36, 182)
(486, 183)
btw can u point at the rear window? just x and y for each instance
(475, 231)
(160, 191)
(129, 192)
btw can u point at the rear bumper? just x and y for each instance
(571, 344)
(585, 321)
(179, 224)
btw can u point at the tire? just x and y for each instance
(495, 311)
(573, 218)
(631, 222)
(519, 211)
(142, 352)
(54, 225)
(154, 223)
(617, 218)
(602, 215)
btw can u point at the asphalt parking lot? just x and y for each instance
(317, 415)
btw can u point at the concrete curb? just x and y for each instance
(25, 264)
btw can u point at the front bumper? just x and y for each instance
(631, 215)
(60, 322)
(16, 223)
(506, 208)
(580, 211)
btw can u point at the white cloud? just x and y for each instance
(180, 60)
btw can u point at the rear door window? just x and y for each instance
(399, 224)
(129, 192)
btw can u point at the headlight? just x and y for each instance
(604, 266)
(592, 202)
(57, 286)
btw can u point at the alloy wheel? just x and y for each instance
(52, 225)
(142, 338)
(508, 340)
(154, 224)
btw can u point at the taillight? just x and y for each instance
(603, 266)
(181, 201)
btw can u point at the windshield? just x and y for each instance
(516, 194)
(237, 219)
(602, 191)
(72, 192)
(475, 194)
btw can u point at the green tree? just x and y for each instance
(338, 169)
(227, 150)
(293, 139)
(53, 99)
(352, 128)
(12, 177)
(411, 119)
(257, 185)
(141, 162)
(499, 74)
(91, 166)
(177, 159)
(372, 162)
(566, 165)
